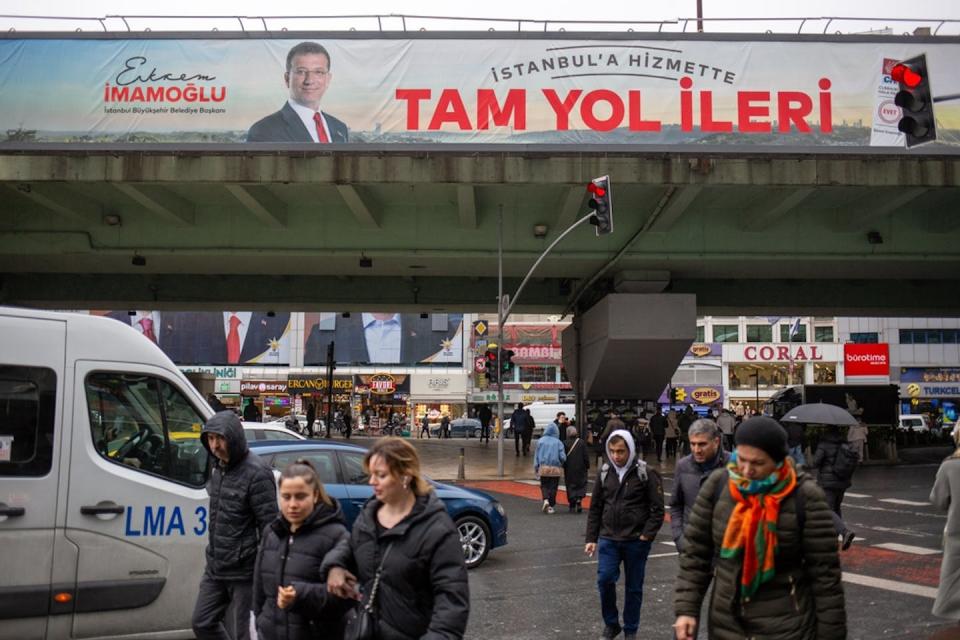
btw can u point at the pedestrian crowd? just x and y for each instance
(751, 522)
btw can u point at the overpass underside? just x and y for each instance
(746, 231)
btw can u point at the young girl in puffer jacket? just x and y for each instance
(290, 599)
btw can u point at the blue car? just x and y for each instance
(480, 519)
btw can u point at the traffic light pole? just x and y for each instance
(536, 264)
(500, 320)
(503, 312)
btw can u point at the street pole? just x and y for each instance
(330, 367)
(500, 338)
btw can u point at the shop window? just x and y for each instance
(823, 334)
(868, 337)
(824, 373)
(27, 407)
(799, 336)
(759, 333)
(145, 423)
(726, 333)
(701, 334)
(538, 373)
(765, 376)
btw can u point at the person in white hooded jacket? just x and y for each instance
(626, 512)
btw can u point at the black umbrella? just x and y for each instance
(819, 413)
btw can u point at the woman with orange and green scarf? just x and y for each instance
(762, 531)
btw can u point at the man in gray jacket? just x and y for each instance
(692, 470)
(243, 501)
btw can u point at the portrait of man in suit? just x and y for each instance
(156, 326)
(232, 337)
(307, 77)
(386, 338)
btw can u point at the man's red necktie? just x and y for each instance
(321, 132)
(233, 341)
(147, 324)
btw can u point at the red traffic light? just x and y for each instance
(906, 74)
(491, 355)
(598, 191)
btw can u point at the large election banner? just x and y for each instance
(475, 90)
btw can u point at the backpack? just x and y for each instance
(845, 462)
(641, 471)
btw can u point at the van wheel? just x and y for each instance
(474, 539)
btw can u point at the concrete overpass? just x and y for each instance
(748, 230)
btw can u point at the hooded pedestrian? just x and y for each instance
(626, 512)
(290, 599)
(243, 501)
(761, 532)
(548, 465)
(575, 469)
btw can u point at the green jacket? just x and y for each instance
(803, 601)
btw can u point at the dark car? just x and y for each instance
(459, 428)
(480, 519)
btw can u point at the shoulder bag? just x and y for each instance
(363, 624)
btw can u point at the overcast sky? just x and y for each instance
(531, 10)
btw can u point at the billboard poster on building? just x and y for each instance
(430, 89)
(383, 338)
(213, 337)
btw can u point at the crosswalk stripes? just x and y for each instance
(909, 503)
(907, 548)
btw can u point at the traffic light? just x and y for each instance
(915, 99)
(506, 364)
(601, 204)
(673, 396)
(492, 366)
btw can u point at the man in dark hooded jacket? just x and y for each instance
(243, 500)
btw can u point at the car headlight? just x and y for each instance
(499, 508)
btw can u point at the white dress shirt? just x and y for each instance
(306, 114)
(383, 338)
(152, 315)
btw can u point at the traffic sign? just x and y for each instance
(480, 328)
(480, 365)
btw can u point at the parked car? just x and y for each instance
(269, 431)
(480, 518)
(459, 428)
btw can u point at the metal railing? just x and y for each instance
(393, 22)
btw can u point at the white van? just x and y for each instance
(915, 423)
(543, 413)
(103, 511)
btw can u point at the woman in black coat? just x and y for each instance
(290, 599)
(575, 469)
(423, 591)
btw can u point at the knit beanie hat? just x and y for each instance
(763, 433)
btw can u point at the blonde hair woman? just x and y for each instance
(404, 542)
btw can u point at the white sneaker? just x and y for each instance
(550, 510)
(546, 505)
